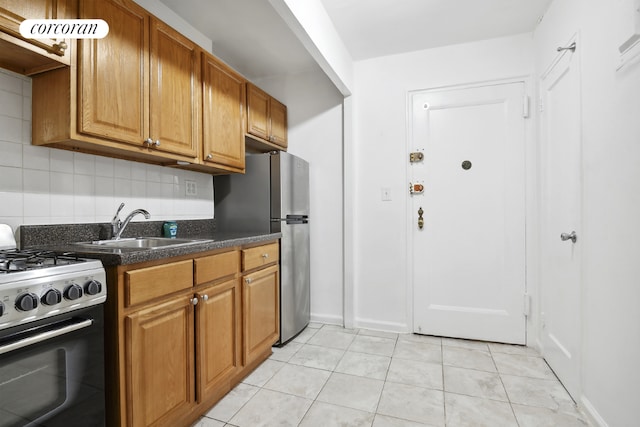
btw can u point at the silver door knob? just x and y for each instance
(194, 301)
(571, 236)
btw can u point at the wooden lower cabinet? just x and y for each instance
(160, 354)
(183, 332)
(261, 309)
(218, 329)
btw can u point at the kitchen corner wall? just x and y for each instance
(40, 185)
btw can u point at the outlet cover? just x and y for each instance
(192, 188)
(385, 193)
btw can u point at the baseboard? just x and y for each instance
(590, 411)
(382, 326)
(328, 319)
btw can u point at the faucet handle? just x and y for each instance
(115, 217)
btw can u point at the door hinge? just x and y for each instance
(527, 305)
(540, 105)
(525, 106)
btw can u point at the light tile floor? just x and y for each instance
(331, 376)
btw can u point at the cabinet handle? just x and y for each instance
(248, 280)
(62, 46)
(209, 156)
(205, 297)
(194, 301)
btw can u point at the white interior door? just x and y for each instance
(561, 213)
(469, 257)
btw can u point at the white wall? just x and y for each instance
(383, 289)
(40, 185)
(611, 207)
(315, 134)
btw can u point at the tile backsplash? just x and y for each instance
(40, 185)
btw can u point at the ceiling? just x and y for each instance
(253, 38)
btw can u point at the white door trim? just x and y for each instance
(532, 243)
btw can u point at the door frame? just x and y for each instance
(575, 38)
(532, 243)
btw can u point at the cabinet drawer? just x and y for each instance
(259, 256)
(214, 267)
(148, 283)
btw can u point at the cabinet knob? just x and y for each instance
(248, 280)
(194, 301)
(265, 256)
(157, 143)
(148, 141)
(209, 156)
(205, 297)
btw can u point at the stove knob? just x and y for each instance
(1, 308)
(92, 287)
(73, 292)
(51, 297)
(26, 302)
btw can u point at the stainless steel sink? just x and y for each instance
(143, 243)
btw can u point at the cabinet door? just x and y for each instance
(223, 114)
(160, 357)
(278, 123)
(13, 12)
(261, 311)
(217, 336)
(113, 74)
(174, 91)
(257, 112)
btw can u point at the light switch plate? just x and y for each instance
(192, 188)
(386, 194)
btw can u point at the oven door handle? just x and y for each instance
(24, 342)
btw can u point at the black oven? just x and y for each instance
(52, 371)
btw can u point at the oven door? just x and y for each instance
(52, 371)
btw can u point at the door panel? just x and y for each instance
(469, 259)
(561, 213)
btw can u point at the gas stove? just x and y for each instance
(36, 284)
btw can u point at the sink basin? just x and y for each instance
(142, 242)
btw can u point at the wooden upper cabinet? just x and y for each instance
(257, 112)
(278, 123)
(141, 84)
(266, 118)
(223, 115)
(30, 56)
(174, 91)
(113, 74)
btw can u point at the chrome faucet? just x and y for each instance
(117, 226)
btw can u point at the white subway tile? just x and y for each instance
(26, 87)
(36, 181)
(154, 173)
(35, 157)
(61, 183)
(61, 205)
(104, 166)
(26, 108)
(10, 179)
(122, 189)
(37, 205)
(10, 82)
(84, 219)
(10, 129)
(26, 132)
(122, 169)
(84, 164)
(61, 160)
(10, 104)
(11, 204)
(62, 220)
(11, 154)
(138, 171)
(138, 190)
(37, 220)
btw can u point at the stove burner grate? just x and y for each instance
(13, 260)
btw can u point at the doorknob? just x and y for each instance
(420, 220)
(572, 236)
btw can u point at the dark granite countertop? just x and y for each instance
(64, 238)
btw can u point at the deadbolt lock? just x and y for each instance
(420, 219)
(416, 156)
(416, 188)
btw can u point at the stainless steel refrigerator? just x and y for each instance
(273, 196)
